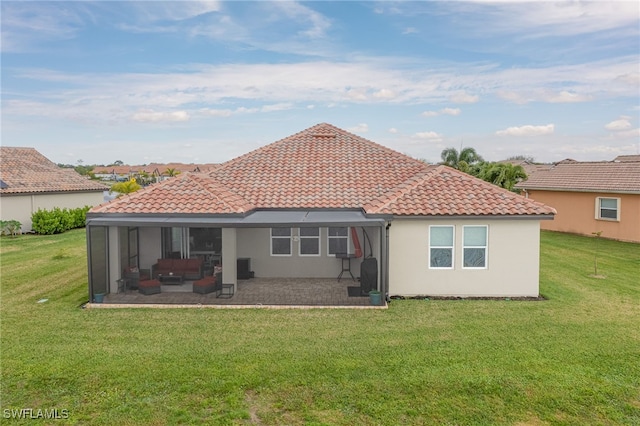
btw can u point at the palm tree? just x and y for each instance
(172, 172)
(125, 187)
(505, 175)
(462, 160)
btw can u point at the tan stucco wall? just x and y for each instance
(577, 214)
(512, 267)
(255, 243)
(20, 207)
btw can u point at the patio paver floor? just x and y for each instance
(255, 292)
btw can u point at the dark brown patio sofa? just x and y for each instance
(190, 269)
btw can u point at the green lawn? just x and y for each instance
(573, 359)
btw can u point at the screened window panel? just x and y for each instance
(309, 232)
(441, 258)
(281, 246)
(309, 246)
(474, 258)
(475, 236)
(608, 203)
(341, 231)
(441, 236)
(608, 214)
(281, 232)
(337, 245)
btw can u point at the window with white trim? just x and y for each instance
(607, 208)
(441, 247)
(280, 241)
(309, 242)
(338, 240)
(474, 247)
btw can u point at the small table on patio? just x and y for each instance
(170, 279)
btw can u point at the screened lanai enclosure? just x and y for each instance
(266, 258)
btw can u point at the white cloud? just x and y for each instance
(433, 136)
(190, 88)
(568, 97)
(410, 30)
(430, 114)
(277, 107)
(545, 18)
(627, 134)
(444, 111)
(155, 117)
(464, 98)
(217, 112)
(451, 111)
(393, 130)
(622, 123)
(384, 94)
(527, 130)
(511, 96)
(360, 128)
(357, 94)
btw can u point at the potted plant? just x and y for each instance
(375, 297)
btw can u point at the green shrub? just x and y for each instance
(58, 220)
(10, 227)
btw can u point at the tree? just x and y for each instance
(463, 160)
(505, 175)
(125, 187)
(145, 178)
(172, 172)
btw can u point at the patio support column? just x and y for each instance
(229, 256)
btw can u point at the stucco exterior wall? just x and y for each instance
(255, 243)
(577, 214)
(20, 207)
(512, 262)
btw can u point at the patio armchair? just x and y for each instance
(208, 284)
(133, 275)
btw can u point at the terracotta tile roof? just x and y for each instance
(443, 191)
(325, 167)
(25, 171)
(605, 176)
(628, 158)
(321, 167)
(188, 193)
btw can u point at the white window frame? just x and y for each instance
(290, 238)
(599, 209)
(329, 237)
(451, 247)
(309, 237)
(485, 247)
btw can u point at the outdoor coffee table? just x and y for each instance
(170, 279)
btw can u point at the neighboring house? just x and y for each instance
(529, 167)
(156, 170)
(591, 197)
(31, 182)
(297, 206)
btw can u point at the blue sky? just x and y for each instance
(205, 82)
